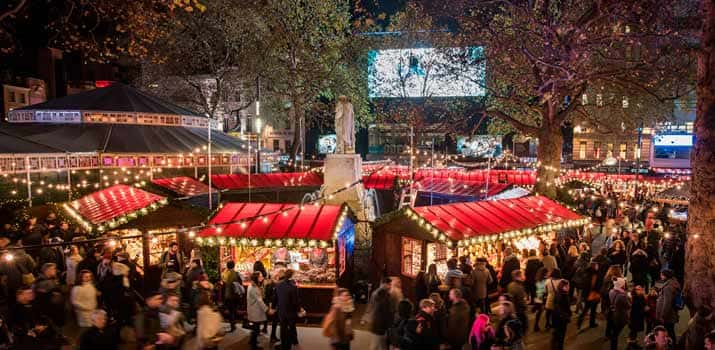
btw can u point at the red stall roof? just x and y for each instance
(268, 180)
(464, 188)
(110, 203)
(459, 221)
(275, 221)
(183, 185)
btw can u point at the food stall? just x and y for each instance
(433, 234)
(316, 241)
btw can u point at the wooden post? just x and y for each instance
(145, 256)
(69, 180)
(27, 178)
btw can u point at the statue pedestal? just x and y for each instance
(341, 170)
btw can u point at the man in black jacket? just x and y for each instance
(99, 336)
(288, 306)
(380, 314)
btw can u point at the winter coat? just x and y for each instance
(229, 278)
(481, 278)
(94, 338)
(286, 300)
(72, 261)
(457, 325)
(562, 307)
(341, 324)
(550, 286)
(620, 307)
(550, 262)
(639, 267)
(21, 264)
(84, 301)
(618, 257)
(664, 311)
(428, 338)
(511, 263)
(255, 307)
(147, 324)
(208, 325)
(380, 311)
(518, 294)
(533, 263)
(638, 313)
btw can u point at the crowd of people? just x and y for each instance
(51, 277)
(634, 281)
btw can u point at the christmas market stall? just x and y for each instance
(432, 191)
(427, 235)
(314, 240)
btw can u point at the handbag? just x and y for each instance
(247, 324)
(593, 296)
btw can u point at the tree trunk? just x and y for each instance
(298, 117)
(700, 249)
(549, 156)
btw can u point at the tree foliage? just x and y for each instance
(207, 60)
(548, 60)
(309, 57)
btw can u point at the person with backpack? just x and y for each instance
(670, 301)
(550, 287)
(619, 311)
(481, 278)
(233, 291)
(533, 264)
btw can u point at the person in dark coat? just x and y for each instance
(619, 313)
(457, 326)
(518, 297)
(590, 299)
(665, 313)
(41, 336)
(380, 314)
(636, 322)
(287, 302)
(561, 315)
(422, 331)
(511, 263)
(49, 294)
(147, 324)
(421, 288)
(533, 263)
(20, 264)
(90, 262)
(23, 312)
(638, 267)
(99, 336)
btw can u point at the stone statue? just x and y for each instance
(344, 125)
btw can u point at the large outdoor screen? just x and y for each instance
(426, 72)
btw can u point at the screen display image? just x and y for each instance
(327, 144)
(426, 72)
(673, 140)
(480, 146)
(671, 146)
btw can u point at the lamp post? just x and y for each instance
(208, 119)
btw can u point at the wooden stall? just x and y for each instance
(407, 241)
(316, 241)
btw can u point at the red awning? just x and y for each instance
(275, 221)
(462, 188)
(269, 180)
(460, 221)
(112, 202)
(183, 185)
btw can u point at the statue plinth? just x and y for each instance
(340, 171)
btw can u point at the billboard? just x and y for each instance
(673, 140)
(480, 146)
(426, 72)
(327, 144)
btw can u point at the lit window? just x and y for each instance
(582, 150)
(622, 151)
(597, 150)
(411, 256)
